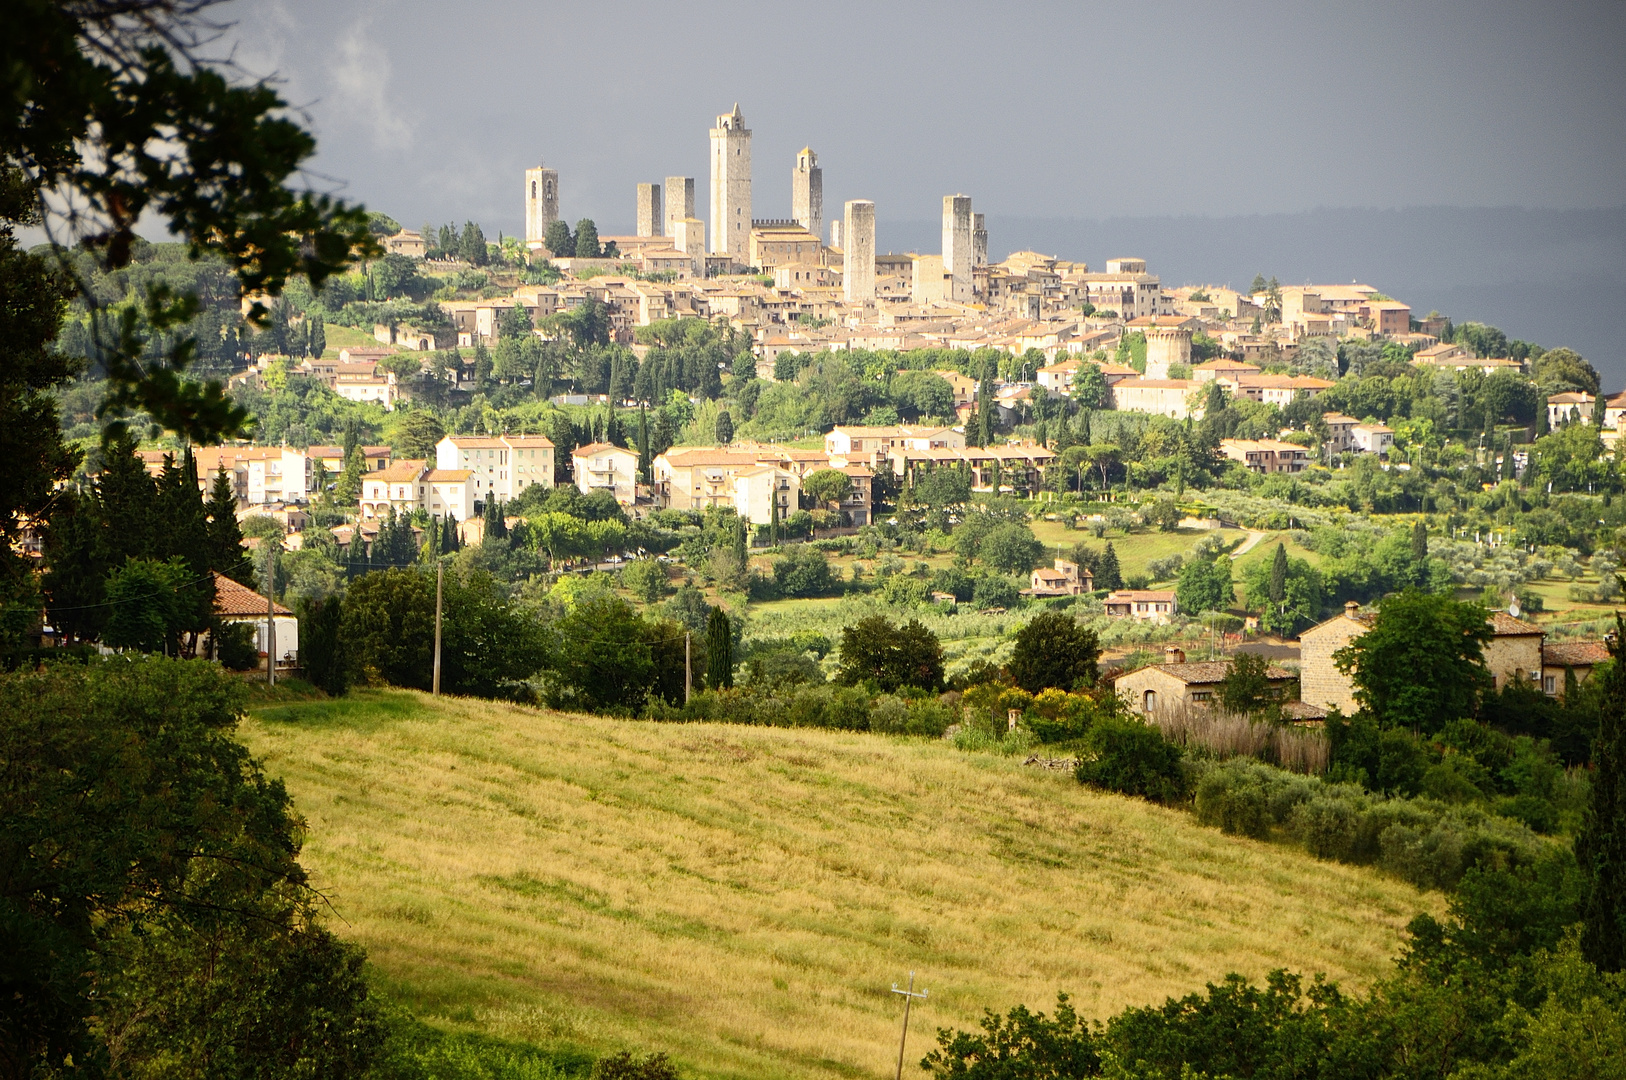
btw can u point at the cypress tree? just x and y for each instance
(347, 492)
(225, 537)
(644, 458)
(1278, 575)
(1599, 404)
(1419, 551)
(77, 563)
(985, 406)
(1084, 427)
(128, 501)
(321, 646)
(725, 428)
(449, 539)
(719, 651)
(356, 560)
(1601, 846)
(1108, 575)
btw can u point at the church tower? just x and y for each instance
(731, 187)
(807, 192)
(541, 202)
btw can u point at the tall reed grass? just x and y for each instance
(1228, 735)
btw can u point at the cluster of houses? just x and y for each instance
(1517, 650)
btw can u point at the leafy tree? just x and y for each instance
(1278, 575)
(1246, 686)
(1020, 1045)
(921, 393)
(116, 113)
(1601, 846)
(1422, 663)
(995, 591)
(646, 578)
(893, 656)
(558, 239)
(1053, 650)
(1164, 514)
(388, 626)
(415, 434)
(1205, 585)
(1010, 548)
(719, 650)
(587, 240)
(1301, 592)
(802, 571)
(151, 896)
(1557, 371)
(828, 486)
(942, 487)
(148, 604)
(605, 658)
(347, 490)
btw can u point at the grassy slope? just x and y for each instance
(744, 897)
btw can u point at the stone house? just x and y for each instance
(1178, 684)
(1266, 456)
(237, 603)
(1065, 578)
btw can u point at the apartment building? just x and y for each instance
(500, 466)
(1266, 456)
(606, 467)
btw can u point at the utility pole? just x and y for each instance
(909, 996)
(688, 672)
(270, 613)
(440, 568)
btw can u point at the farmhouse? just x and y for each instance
(1177, 684)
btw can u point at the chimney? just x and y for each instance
(1350, 608)
(1173, 654)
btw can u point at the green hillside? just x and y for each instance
(744, 897)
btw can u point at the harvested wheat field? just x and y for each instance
(743, 898)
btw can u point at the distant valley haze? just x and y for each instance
(1465, 157)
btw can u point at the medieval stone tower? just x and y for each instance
(679, 202)
(1166, 346)
(979, 241)
(731, 186)
(650, 221)
(957, 259)
(541, 202)
(807, 192)
(858, 247)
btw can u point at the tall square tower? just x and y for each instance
(650, 221)
(731, 186)
(858, 252)
(541, 202)
(679, 202)
(957, 246)
(979, 241)
(807, 192)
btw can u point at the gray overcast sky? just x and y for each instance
(431, 111)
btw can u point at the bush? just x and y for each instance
(995, 592)
(1132, 758)
(802, 571)
(234, 645)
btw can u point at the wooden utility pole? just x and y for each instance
(270, 613)
(439, 573)
(688, 672)
(909, 996)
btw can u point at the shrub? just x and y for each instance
(234, 645)
(995, 592)
(1132, 758)
(802, 571)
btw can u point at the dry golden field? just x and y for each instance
(744, 897)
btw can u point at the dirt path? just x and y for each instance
(1249, 544)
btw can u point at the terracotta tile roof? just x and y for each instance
(1140, 596)
(441, 476)
(1201, 672)
(400, 472)
(600, 448)
(235, 601)
(1574, 653)
(1505, 625)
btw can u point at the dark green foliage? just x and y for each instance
(558, 240)
(725, 428)
(587, 239)
(1132, 758)
(1246, 686)
(626, 1065)
(1010, 548)
(1601, 847)
(488, 647)
(395, 545)
(891, 656)
(1053, 650)
(954, 581)
(827, 485)
(802, 571)
(148, 876)
(322, 645)
(416, 433)
(151, 604)
(995, 591)
(942, 487)
(1107, 574)
(1021, 1045)
(1421, 665)
(225, 537)
(1382, 759)
(719, 651)
(1205, 585)
(235, 647)
(87, 119)
(608, 658)
(1278, 575)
